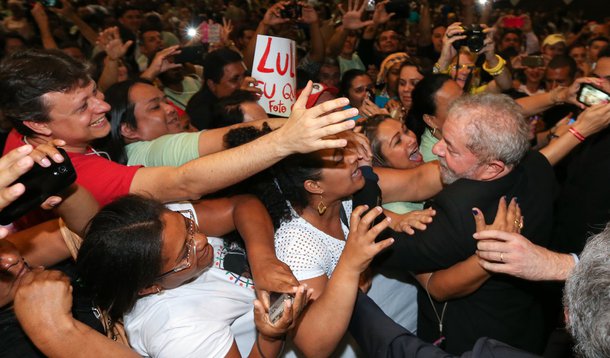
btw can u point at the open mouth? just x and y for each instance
(416, 156)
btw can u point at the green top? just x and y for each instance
(167, 150)
(425, 147)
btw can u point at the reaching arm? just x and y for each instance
(40, 16)
(332, 308)
(591, 121)
(416, 184)
(272, 17)
(306, 130)
(43, 305)
(68, 12)
(425, 25)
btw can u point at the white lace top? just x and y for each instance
(308, 251)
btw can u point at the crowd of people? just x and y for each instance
(439, 188)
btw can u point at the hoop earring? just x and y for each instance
(321, 206)
(434, 131)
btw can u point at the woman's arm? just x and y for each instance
(416, 184)
(334, 298)
(467, 276)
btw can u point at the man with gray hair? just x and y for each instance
(483, 156)
(586, 298)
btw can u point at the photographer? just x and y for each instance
(463, 64)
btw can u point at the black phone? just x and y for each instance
(292, 11)
(400, 8)
(40, 183)
(191, 54)
(590, 95)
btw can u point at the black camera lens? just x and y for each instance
(475, 39)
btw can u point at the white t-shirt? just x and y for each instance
(198, 319)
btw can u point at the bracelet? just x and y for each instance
(437, 69)
(577, 134)
(575, 257)
(260, 351)
(555, 96)
(498, 69)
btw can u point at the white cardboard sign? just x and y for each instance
(275, 70)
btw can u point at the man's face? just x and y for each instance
(510, 40)
(455, 159)
(78, 116)
(594, 49)
(437, 38)
(131, 19)
(233, 75)
(556, 77)
(388, 41)
(151, 43)
(245, 39)
(329, 75)
(602, 70)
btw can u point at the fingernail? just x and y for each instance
(45, 162)
(58, 157)
(474, 212)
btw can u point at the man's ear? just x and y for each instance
(493, 169)
(150, 290)
(211, 85)
(39, 128)
(130, 134)
(313, 187)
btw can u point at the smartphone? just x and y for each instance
(533, 61)
(590, 95)
(277, 305)
(191, 54)
(292, 11)
(40, 183)
(209, 33)
(400, 8)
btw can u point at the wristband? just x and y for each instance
(577, 134)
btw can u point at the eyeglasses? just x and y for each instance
(463, 67)
(190, 254)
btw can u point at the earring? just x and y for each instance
(434, 131)
(321, 206)
(158, 290)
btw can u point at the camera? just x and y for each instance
(40, 183)
(533, 61)
(291, 11)
(475, 38)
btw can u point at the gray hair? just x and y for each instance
(496, 127)
(587, 298)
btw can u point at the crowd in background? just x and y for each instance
(416, 125)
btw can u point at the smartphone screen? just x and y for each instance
(589, 95)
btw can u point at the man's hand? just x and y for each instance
(381, 16)
(308, 130)
(273, 17)
(110, 40)
(417, 219)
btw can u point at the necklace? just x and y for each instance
(93, 151)
(441, 338)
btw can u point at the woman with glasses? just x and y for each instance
(155, 270)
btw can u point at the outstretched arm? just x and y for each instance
(305, 131)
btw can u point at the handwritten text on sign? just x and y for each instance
(275, 70)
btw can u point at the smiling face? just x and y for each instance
(399, 145)
(340, 176)
(183, 245)
(77, 116)
(409, 77)
(155, 117)
(466, 66)
(388, 41)
(455, 159)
